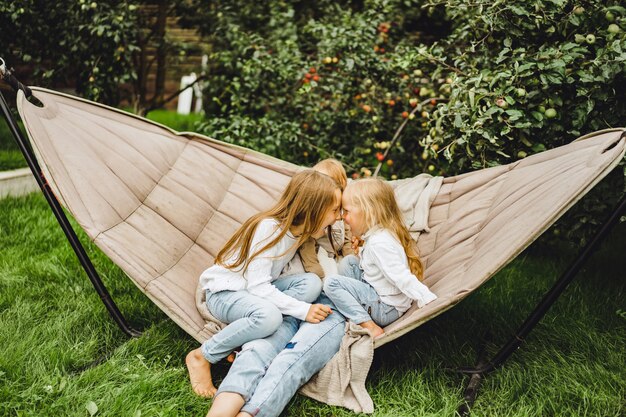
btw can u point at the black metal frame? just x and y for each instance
(56, 208)
(476, 373)
(483, 367)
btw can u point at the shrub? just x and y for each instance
(477, 84)
(86, 43)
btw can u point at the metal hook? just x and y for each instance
(3, 67)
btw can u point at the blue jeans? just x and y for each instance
(251, 317)
(255, 357)
(355, 298)
(267, 373)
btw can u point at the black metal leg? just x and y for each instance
(550, 297)
(65, 224)
(471, 390)
(477, 372)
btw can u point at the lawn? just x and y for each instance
(63, 355)
(10, 155)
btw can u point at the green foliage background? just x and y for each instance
(87, 44)
(482, 83)
(466, 84)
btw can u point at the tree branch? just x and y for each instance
(399, 130)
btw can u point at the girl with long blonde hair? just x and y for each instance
(244, 287)
(378, 288)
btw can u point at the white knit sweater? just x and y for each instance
(386, 268)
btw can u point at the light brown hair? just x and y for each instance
(306, 199)
(378, 203)
(334, 169)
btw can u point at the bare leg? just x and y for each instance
(244, 414)
(374, 329)
(200, 374)
(226, 404)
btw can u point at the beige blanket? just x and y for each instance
(415, 196)
(342, 380)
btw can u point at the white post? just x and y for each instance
(185, 99)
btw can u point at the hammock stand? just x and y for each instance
(55, 206)
(476, 373)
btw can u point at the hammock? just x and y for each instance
(161, 204)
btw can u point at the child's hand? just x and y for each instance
(317, 313)
(356, 243)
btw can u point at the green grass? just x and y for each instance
(53, 328)
(179, 122)
(11, 157)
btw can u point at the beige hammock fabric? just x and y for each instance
(160, 204)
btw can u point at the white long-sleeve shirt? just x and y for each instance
(386, 268)
(263, 269)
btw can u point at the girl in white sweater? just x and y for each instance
(377, 288)
(244, 287)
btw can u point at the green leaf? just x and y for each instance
(92, 408)
(618, 9)
(539, 147)
(526, 66)
(492, 110)
(458, 121)
(305, 89)
(514, 114)
(519, 11)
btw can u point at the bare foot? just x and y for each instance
(226, 404)
(231, 357)
(374, 329)
(200, 374)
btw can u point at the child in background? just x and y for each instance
(244, 288)
(315, 254)
(378, 288)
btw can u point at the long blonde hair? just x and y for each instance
(307, 198)
(377, 201)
